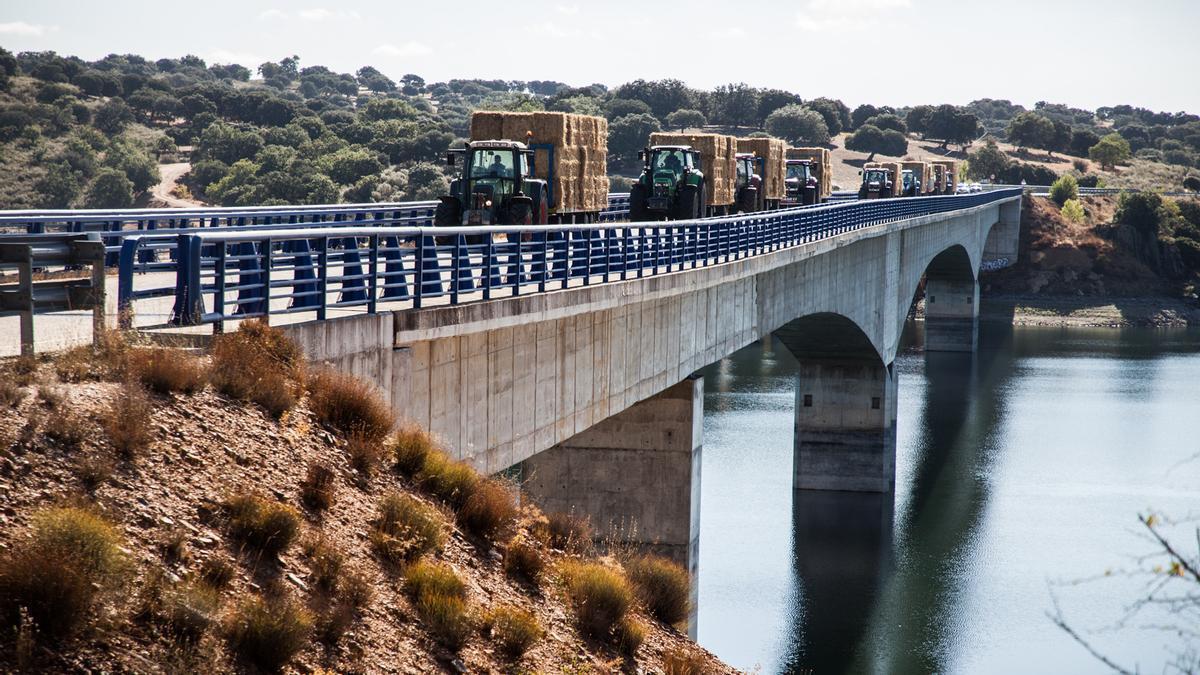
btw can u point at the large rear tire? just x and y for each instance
(748, 199)
(689, 203)
(637, 203)
(448, 213)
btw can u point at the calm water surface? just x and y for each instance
(1020, 471)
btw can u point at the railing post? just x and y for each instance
(323, 279)
(125, 264)
(373, 279)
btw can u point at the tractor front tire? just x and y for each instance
(748, 200)
(689, 203)
(448, 214)
(637, 204)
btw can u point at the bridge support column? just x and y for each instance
(845, 437)
(636, 474)
(951, 315)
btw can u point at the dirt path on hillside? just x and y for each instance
(171, 173)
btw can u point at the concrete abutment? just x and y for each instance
(951, 315)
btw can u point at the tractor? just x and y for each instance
(671, 185)
(801, 184)
(495, 187)
(876, 184)
(911, 184)
(749, 187)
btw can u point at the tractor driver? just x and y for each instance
(498, 169)
(672, 162)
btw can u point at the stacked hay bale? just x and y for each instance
(895, 168)
(951, 174)
(822, 167)
(718, 161)
(775, 169)
(923, 172)
(579, 176)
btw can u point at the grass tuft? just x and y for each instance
(319, 487)
(107, 360)
(489, 510)
(662, 585)
(569, 532)
(267, 526)
(166, 371)
(217, 572)
(440, 598)
(66, 428)
(257, 363)
(599, 595)
(11, 393)
(629, 634)
(410, 448)
(406, 529)
(449, 480)
(514, 630)
(189, 610)
(94, 470)
(349, 406)
(522, 561)
(325, 563)
(365, 453)
(680, 662)
(126, 420)
(57, 575)
(268, 632)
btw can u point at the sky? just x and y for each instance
(1085, 53)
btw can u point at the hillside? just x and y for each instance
(191, 560)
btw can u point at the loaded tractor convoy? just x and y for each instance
(550, 167)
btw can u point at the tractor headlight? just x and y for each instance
(488, 203)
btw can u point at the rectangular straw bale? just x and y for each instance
(772, 150)
(951, 172)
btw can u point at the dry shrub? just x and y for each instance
(188, 610)
(514, 630)
(268, 632)
(107, 360)
(662, 585)
(349, 406)
(324, 562)
(522, 561)
(569, 532)
(680, 662)
(354, 592)
(51, 395)
(257, 363)
(57, 575)
(165, 371)
(440, 598)
(22, 370)
(406, 529)
(126, 420)
(174, 547)
(66, 428)
(318, 489)
(449, 480)
(94, 470)
(489, 510)
(217, 572)
(356, 589)
(267, 526)
(11, 393)
(628, 635)
(410, 448)
(365, 452)
(599, 595)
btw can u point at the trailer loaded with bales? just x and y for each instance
(809, 176)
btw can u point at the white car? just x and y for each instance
(962, 189)
(976, 187)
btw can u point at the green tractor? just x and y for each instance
(494, 188)
(749, 188)
(671, 186)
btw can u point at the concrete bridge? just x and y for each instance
(589, 393)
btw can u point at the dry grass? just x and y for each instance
(257, 363)
(216, 572)
(514, 630)
(490, 510)
(365, 453)
(165, 371)
(679, 662)
(268, 632)
(266, 526)
(325, 563)
(569, 532)
(319, 487)
(21, 371)
(662, 585)
(628, 635)
(11, 393)
(189, 610)
(410, 448)
(66, 428)
(522, 561)
(126, 420)
(51, 395)
(599, 595)
(58, 574)
(94, 470)
(449, 480)
(406, 529)
(174, 547)
(107, 360)
(439, 596)
(349, 406)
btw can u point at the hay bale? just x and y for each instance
(772, 150)
(718, 161)
(580, 142)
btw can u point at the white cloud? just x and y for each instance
(22, 28)
(248, 59)
(406, 49)
(730, 33)
(313, 14)
(554, 30)
(844, 15)
(268, 14)
(569, 10)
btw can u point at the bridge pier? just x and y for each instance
(636, 474)
(845, 434)
(951, 315)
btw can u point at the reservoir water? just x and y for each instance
(1020, 474)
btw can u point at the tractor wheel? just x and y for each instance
(637, 203)
(748, 200)
(522, 212)
(689, 203)
(448, 214)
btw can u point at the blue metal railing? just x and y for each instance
(226, 274)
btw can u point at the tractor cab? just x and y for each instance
(800, 182)
(877, 183)
(749, 182)
(494, 186)
(911, 185)
(670, 186)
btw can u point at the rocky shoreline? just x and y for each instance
(1090, 311)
